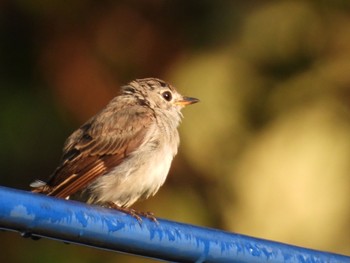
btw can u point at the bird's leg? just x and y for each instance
(133, 212)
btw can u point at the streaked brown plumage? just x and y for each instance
(124, 152)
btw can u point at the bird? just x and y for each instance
(122, 154)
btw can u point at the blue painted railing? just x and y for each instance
(41, 216)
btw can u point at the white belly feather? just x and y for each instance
(139, 176)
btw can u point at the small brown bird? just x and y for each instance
(123, 153)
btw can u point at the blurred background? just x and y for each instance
(267, 151)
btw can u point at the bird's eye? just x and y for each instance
(167, 95)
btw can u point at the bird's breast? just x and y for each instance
(139, 176)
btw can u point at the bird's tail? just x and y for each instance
(40, 187)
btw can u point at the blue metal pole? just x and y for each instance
(39, 215)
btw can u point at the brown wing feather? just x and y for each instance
(97, 147)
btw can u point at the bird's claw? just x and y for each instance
(133, 212)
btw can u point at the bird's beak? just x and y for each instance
(186, 101)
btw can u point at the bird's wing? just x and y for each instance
(98, 146)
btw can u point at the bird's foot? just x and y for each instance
(148, 215)
(133, 212)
